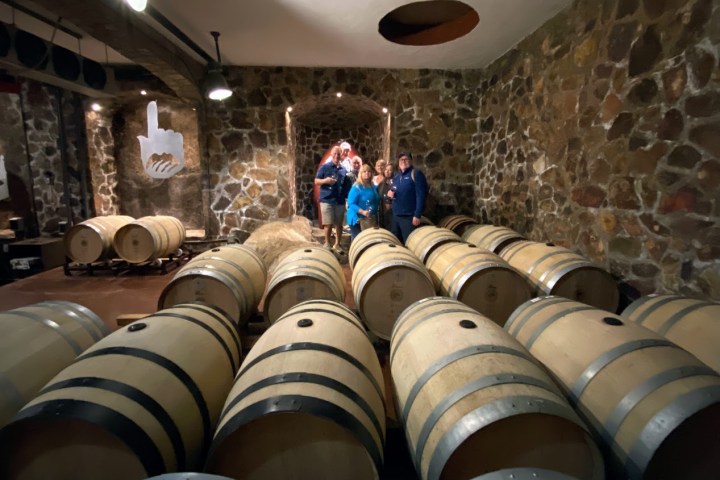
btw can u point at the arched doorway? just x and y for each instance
(314, 123)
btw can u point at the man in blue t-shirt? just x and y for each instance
(334, 187)
(408, 193)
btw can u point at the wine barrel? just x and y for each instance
(558, 271)
(525, 474)
(655, 406)
(36, 342)
(423, 240)
(692, 324)
(491, 238)
(141, 402)
(457, 223)
(231, 278)
(479, 279)
(469, 395)
(308, 402)
(311, 273)
(386, 280)
(190, 476)
(368, 238)
(92, 240)
(149, 238)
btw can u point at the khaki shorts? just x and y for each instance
(332, 214)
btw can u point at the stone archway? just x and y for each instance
(315, 123)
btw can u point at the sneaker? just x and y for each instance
(338, 249)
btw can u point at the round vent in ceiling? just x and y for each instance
(430, 22)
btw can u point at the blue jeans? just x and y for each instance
(402, 227)
(354, 230)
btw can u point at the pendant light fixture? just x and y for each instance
(137, 5)
(215, 84)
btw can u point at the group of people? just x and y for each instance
(350, 191)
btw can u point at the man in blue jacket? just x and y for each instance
(334, 187)
(409, 192)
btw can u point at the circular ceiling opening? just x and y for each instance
(430, 22)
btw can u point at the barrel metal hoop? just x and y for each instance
(524, 474)
(90, 322)
(226, 348)
(521, 247)
(469, 388)
(130, 433)
(454, 357)
(542, 259)
(556, 266)
(370, 274)
(485, 415)
(224, 319)
(137, 396)
(239, 268)
(309, 271)
(407, 313)
(637, 394)
(221, 276)
(304, 404)
(550, 284)
(663, 423)
(52, 325)
(529, 309)
(422, 319)
(677, 316)
(470, 271)
(318, 347)
(454, 261)
(312, 378)
(171, 367)
(606, 359)
(554, 318)
(649, 310)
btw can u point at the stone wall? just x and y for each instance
(313, 143)
(101, 157)
(12, 148)
(434, 114)
(601, 132)
(42, 130)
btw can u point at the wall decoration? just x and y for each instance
(161, 151)
(4, 192)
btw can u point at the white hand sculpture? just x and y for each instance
(4, 192)
(160, 142)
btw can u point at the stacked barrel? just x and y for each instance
(135, 241)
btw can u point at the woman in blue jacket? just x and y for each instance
(363, 201)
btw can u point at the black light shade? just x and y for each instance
(215, 84)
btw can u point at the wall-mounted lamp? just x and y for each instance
(215, 84)
(339, 94)
(289, 109)
(96, 107)
(385, 110)
(137, 5)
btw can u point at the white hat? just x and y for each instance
(345, 146)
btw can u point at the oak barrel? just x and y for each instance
(311, 273)
(141, 402)
(423, 240)
(469, 396)
(692, 324)
(457, 223)
(525, 474)
(558, 271)
(36, 342)
(92, 240)
(491, 237)
(149, 238)
(479, 279)
(386, 280)
(308, 402)
(231, 277)
(654, 405)
(368, 238)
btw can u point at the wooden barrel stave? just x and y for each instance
(306, 274)
(491, 237)
(454, 389)
(690, 323)
(92, 240)
(316, 355)
(645, 397)
(138, 403)
(424, 240)
(366, 239)
(149, 238)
